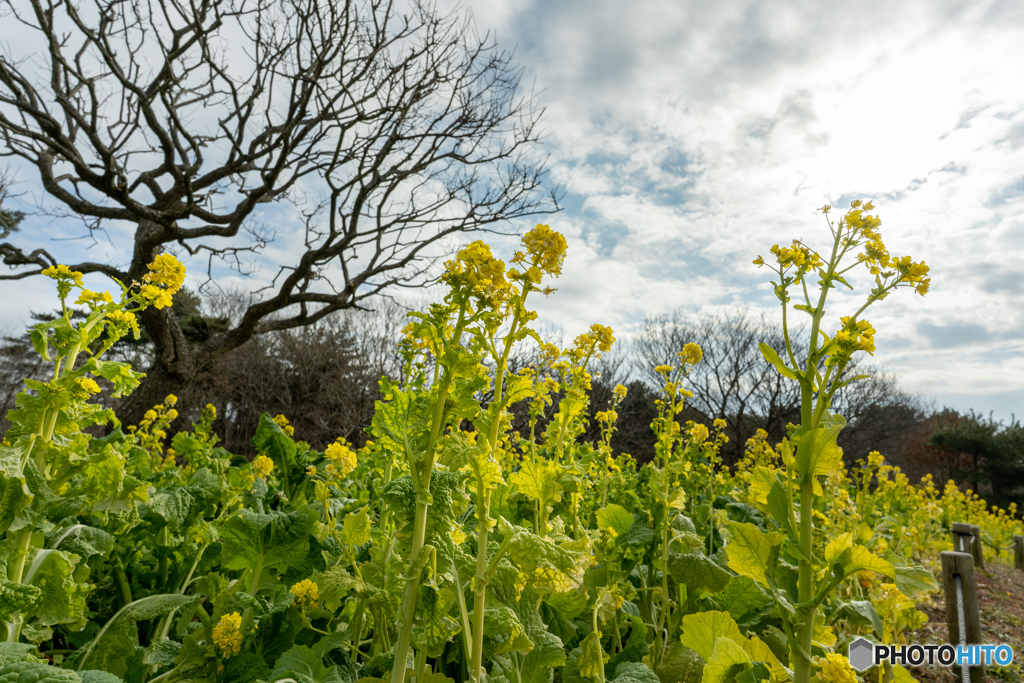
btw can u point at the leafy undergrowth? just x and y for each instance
(1001, 603)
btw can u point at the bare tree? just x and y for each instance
(376, 134)
(734, 382)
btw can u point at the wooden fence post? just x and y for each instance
(961, 565)
(1018, 552)
(967, 539)
(976, 549)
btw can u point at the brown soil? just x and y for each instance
(1001, 603)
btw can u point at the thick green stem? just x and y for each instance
(122, 583)
(480, 590)
(254, 586)
(412, 587)
(805, 577)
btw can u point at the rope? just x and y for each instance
(999, 547)
(965, 671)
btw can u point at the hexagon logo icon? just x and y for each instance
(862, 654)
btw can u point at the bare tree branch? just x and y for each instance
(197, 122)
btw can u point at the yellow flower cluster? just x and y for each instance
(798, 255)
(282, 422)
(476, 267)
(699, 433)
(152, 430)
(547, 249)
(341, 461)
(306, 593)
(853, 336)
(88, 385)
(227, 634)
(164, 279)
(691, 354)
(262, 466)
(835, 668)
(62, 272)
(93, 299)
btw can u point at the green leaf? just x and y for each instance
(749, 550)
(305, 665)
(272, 441)
(15, 495)
(681, 665)
(517, 388)
(858, 558)
(403, 419)
(727, 660)
(84, 541)
(356, 528)
(772, 357)
(636, 647)
(161, 653)
(634, 672)
(591, 658)
(861, 613)
(545, 565)
(817, 452)
(616, 518)
(778, 507)
(97, 676)
(698, 572)
(19, 664)
(702, 630)
(638, 534)
(114, 645)
(539, 480)
(458, 453)
(914, 580)
(61, 596)
(744, 600)
(277, 539)
(501, 620)
(434, 606)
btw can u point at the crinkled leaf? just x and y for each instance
(634, 672)
(305, 665)
(356, 528)
(539, 480)
(273, 442)
(438, 627)
(638, 534)
(276, 539)
(749, 550)
(702, 630)
(61, 596)
(502, 624)
(545, 565)
(744, 600)
(698, 572)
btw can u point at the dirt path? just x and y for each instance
(1001, 602)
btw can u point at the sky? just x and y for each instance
(691, 136)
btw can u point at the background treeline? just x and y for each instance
(324, 377)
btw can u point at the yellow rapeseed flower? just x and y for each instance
(306, 593)
(227, 634)
(835, 668)
(262, 466)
